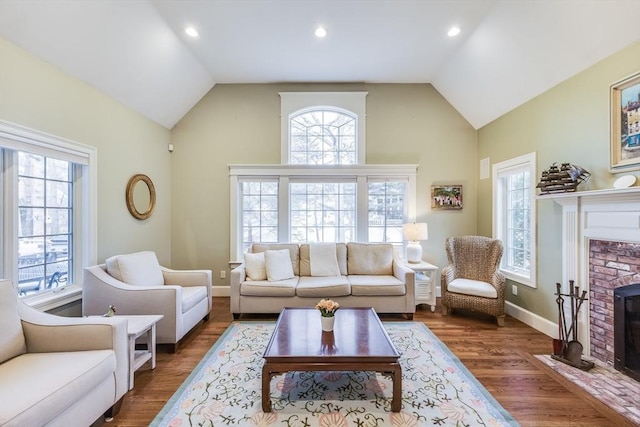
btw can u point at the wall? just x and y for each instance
(240, 124)
(568, 123)
(39, 96)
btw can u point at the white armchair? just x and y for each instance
(58, 371)
(137, 284)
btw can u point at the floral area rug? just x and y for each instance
(225, 388)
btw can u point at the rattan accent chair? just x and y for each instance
(472, 280)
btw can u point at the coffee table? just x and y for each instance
(357, 343)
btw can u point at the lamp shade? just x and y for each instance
(415, 231)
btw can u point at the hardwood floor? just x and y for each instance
(500, 358)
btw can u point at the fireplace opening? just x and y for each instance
(626, 312)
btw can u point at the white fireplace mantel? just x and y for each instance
(611, 215)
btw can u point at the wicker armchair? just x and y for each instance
(472, 279)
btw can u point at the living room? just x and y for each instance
(240, 123)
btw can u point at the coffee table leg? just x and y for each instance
(396, 399)
(266, 389)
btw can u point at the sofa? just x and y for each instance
(353, 274)
(58, 371)
(137, 284)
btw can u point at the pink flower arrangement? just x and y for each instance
(327, 307)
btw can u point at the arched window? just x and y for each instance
(323, 137)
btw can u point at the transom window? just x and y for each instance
(322, 137)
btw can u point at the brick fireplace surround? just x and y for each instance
(611, 265)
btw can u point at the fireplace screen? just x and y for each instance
(627, 330)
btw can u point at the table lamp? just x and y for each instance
(413, 233)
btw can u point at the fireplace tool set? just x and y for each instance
(568, 349)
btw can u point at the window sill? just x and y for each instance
(523, 280)
(54, 299)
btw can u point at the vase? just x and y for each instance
(327, 323)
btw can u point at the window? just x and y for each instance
(323, 211)
(48, 188)
(259, 212)
(322, 191)
(45, 215)
(387, 211)
(322, 137)
(514, 217)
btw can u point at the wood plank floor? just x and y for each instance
(500, 358)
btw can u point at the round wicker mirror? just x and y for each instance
(141, 196)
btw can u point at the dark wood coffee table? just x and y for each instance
(357, 343)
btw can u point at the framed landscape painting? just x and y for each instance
(625, 124)
(446, 197)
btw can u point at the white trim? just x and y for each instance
(221, 291)
(85, 204)
(352, 102)
(538, 323)
(499, 171)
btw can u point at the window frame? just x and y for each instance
(361, 174)
(15, 138)
(500, 173)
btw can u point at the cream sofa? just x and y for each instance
(58, 371)
(136, 284)
(369, 276)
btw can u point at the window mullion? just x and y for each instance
(284, 215)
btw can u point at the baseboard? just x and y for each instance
(539, 323)
(221, 291)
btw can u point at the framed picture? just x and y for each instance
(625, 123)
(446, 197)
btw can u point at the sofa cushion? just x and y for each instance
(138, 269)
(322, 287)
(254, 266)
(294, 252)
(255, 288)
(376, 285)
(191, 296)
(278, 265)
(472, 287)
(34, 391)
(323, 260)
(305, 262)
(369, 258)
(12, 341)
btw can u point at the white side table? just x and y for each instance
(426, 280)
(137, 326)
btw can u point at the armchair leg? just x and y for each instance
(500, 320)
(409, 316)
(445, 310)
(114, 410)
(206, 318)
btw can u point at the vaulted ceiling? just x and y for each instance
(136, 51)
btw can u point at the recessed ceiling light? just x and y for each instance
(454, 31)
(320, 32)
(191, 32)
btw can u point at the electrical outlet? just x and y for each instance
(223, 274)
(514, 289)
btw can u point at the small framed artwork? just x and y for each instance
(446, 197)
(625, 124)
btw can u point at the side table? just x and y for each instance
(426, 280)
(137, 326)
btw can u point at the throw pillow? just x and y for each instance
(138, 269)
(323, 260)
(278, 265)
(254, 265)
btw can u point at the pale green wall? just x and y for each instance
(39, 96)
(240, 124)
(569, 123)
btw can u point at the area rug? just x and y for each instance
(225, 388)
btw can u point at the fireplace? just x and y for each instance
(626, 308)
(609, 220)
